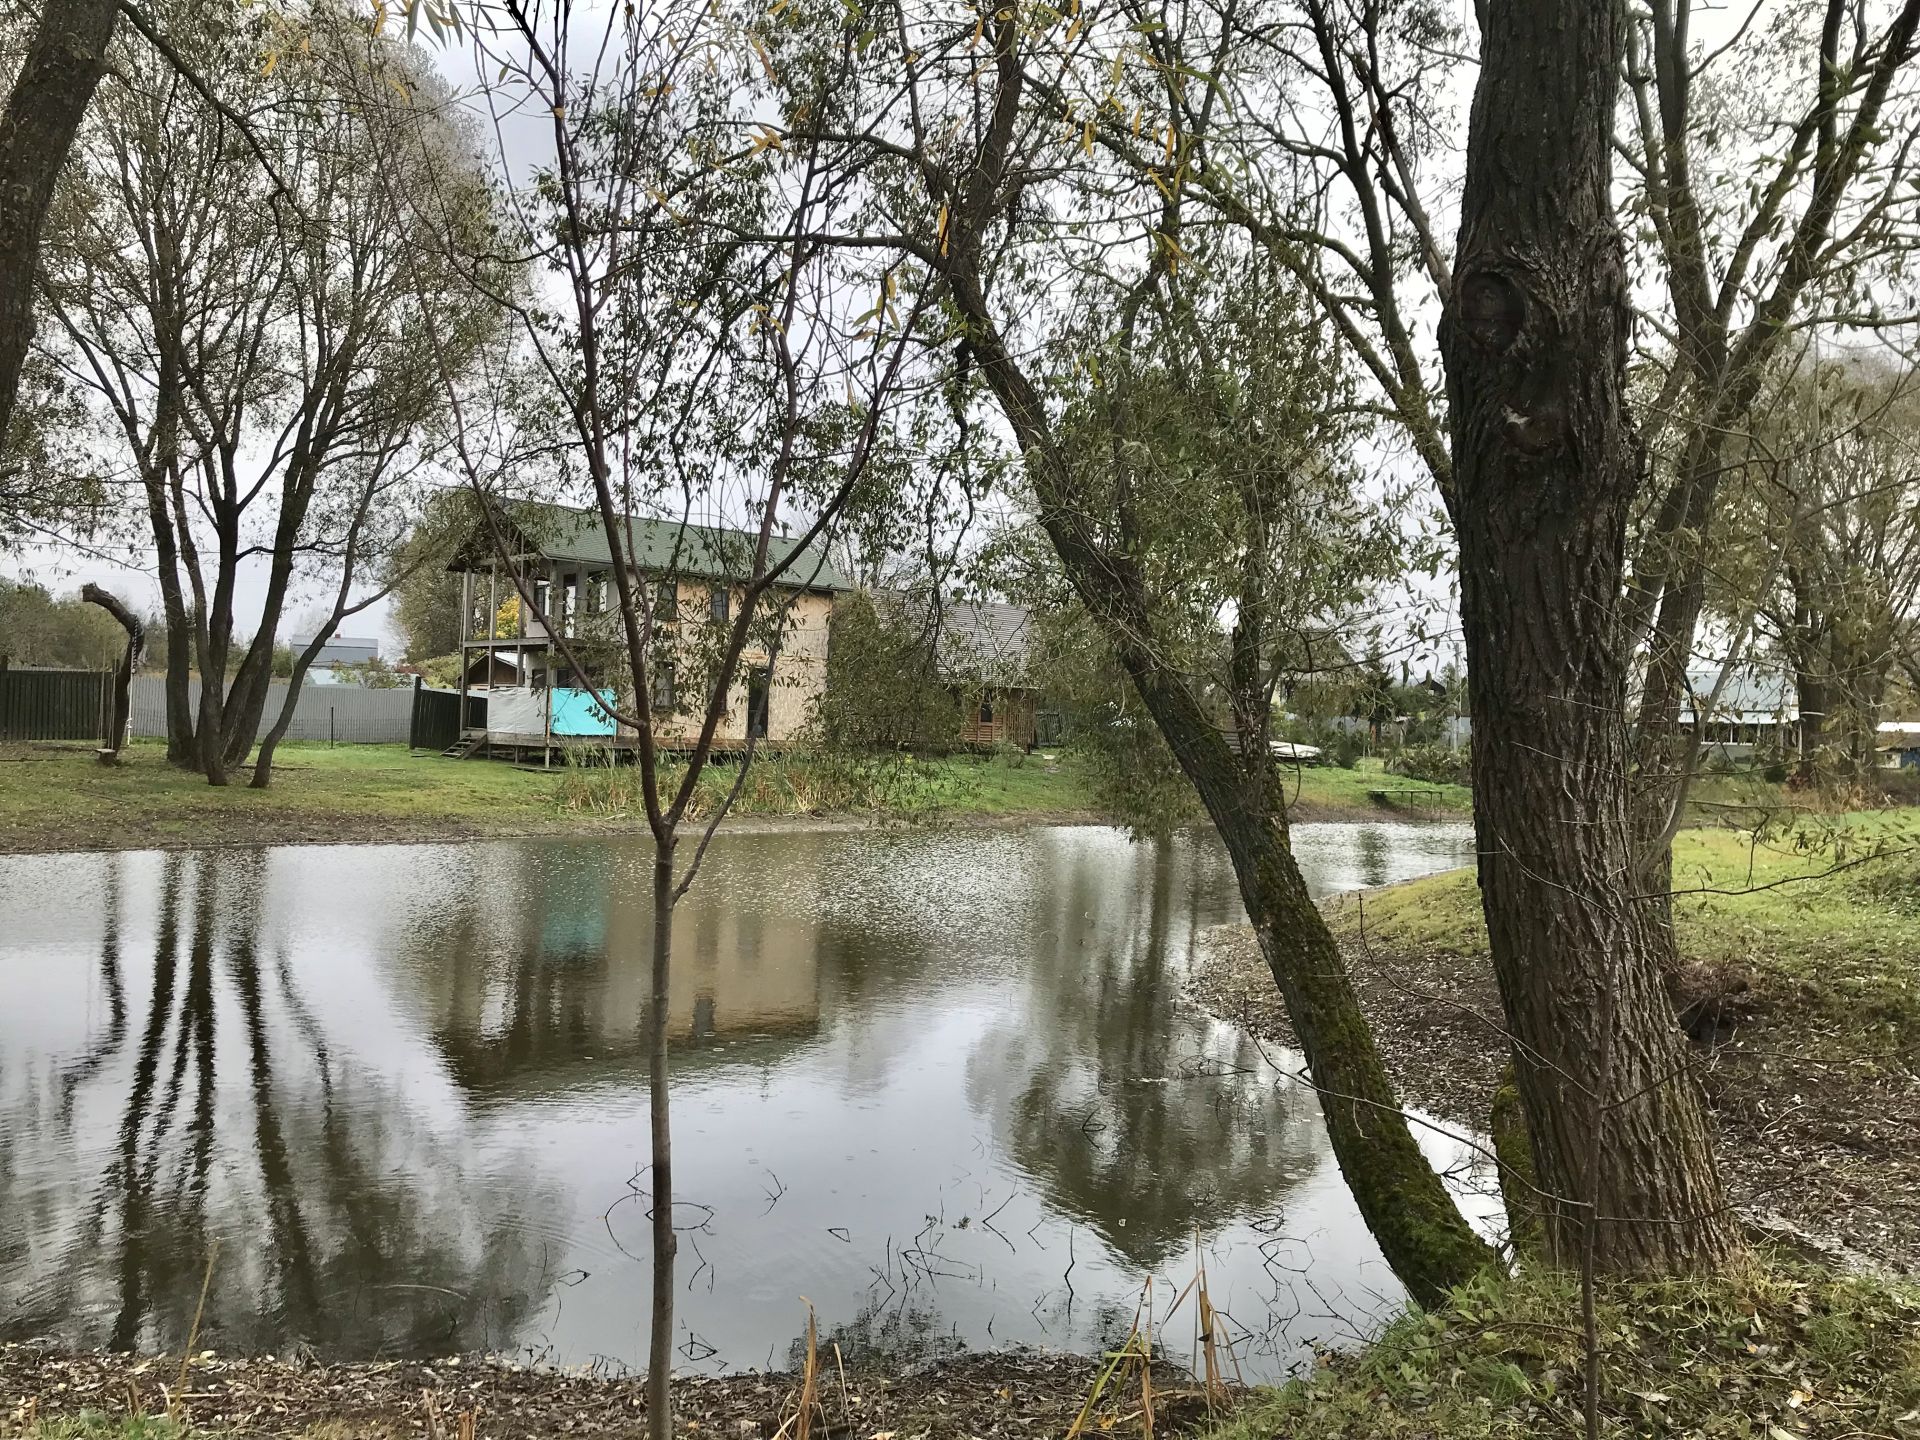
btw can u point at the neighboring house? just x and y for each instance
(1899, 745)
(983, 652)
(1754, 707)
(692, 575)
(340, 650)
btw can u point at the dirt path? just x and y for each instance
(1008, 1393)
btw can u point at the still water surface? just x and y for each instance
(942, 1084)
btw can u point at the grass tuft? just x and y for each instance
(1770, 1352)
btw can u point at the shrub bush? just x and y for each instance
(1435, 764)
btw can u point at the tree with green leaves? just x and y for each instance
(37, 628)
(665, 370)
(245, 326)
(1184, 420)
(1817, 559)
(885, 690)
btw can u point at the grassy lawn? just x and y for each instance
(1826, 912)
(47, 793)
(55, 797)
(1329, 787)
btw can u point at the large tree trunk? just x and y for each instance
(1546, 465)
(64, 62)
(123, 678)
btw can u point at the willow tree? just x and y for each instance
(1178, 414)
(244, 317)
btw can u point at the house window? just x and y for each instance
(666, 601)
(662, 691)
(721, 599)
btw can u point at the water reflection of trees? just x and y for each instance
(1144, 1119)
(339, 1223)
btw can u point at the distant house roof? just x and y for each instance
(1748, 698)
(339, 649)
(983, 640)
(988, 639)
(661, 547)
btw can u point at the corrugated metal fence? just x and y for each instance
(38, 704)
(344, 714)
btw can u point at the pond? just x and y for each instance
(943, 1084)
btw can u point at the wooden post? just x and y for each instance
(556, 624)
(466, 635)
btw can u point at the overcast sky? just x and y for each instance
(524, 140)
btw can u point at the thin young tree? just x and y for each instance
(667, 370)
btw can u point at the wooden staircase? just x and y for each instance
(465, 748)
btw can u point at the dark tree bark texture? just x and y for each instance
(64, 62)
(1546, 465)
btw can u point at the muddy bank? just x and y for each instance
(1815, 1140)
(1016, 1392)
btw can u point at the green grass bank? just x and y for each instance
(56, 798)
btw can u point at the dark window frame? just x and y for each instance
(720, 603)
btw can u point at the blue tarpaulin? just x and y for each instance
(582, 712)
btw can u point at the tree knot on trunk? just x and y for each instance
(1493, 309)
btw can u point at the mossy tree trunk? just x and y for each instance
(1419, 1229)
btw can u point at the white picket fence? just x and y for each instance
(345, 714)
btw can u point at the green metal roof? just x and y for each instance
(561, 532)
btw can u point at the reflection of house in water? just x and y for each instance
(551, 991)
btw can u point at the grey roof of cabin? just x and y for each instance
(705, 552)
(989, 638)
(985, 640)
(1749, 698)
